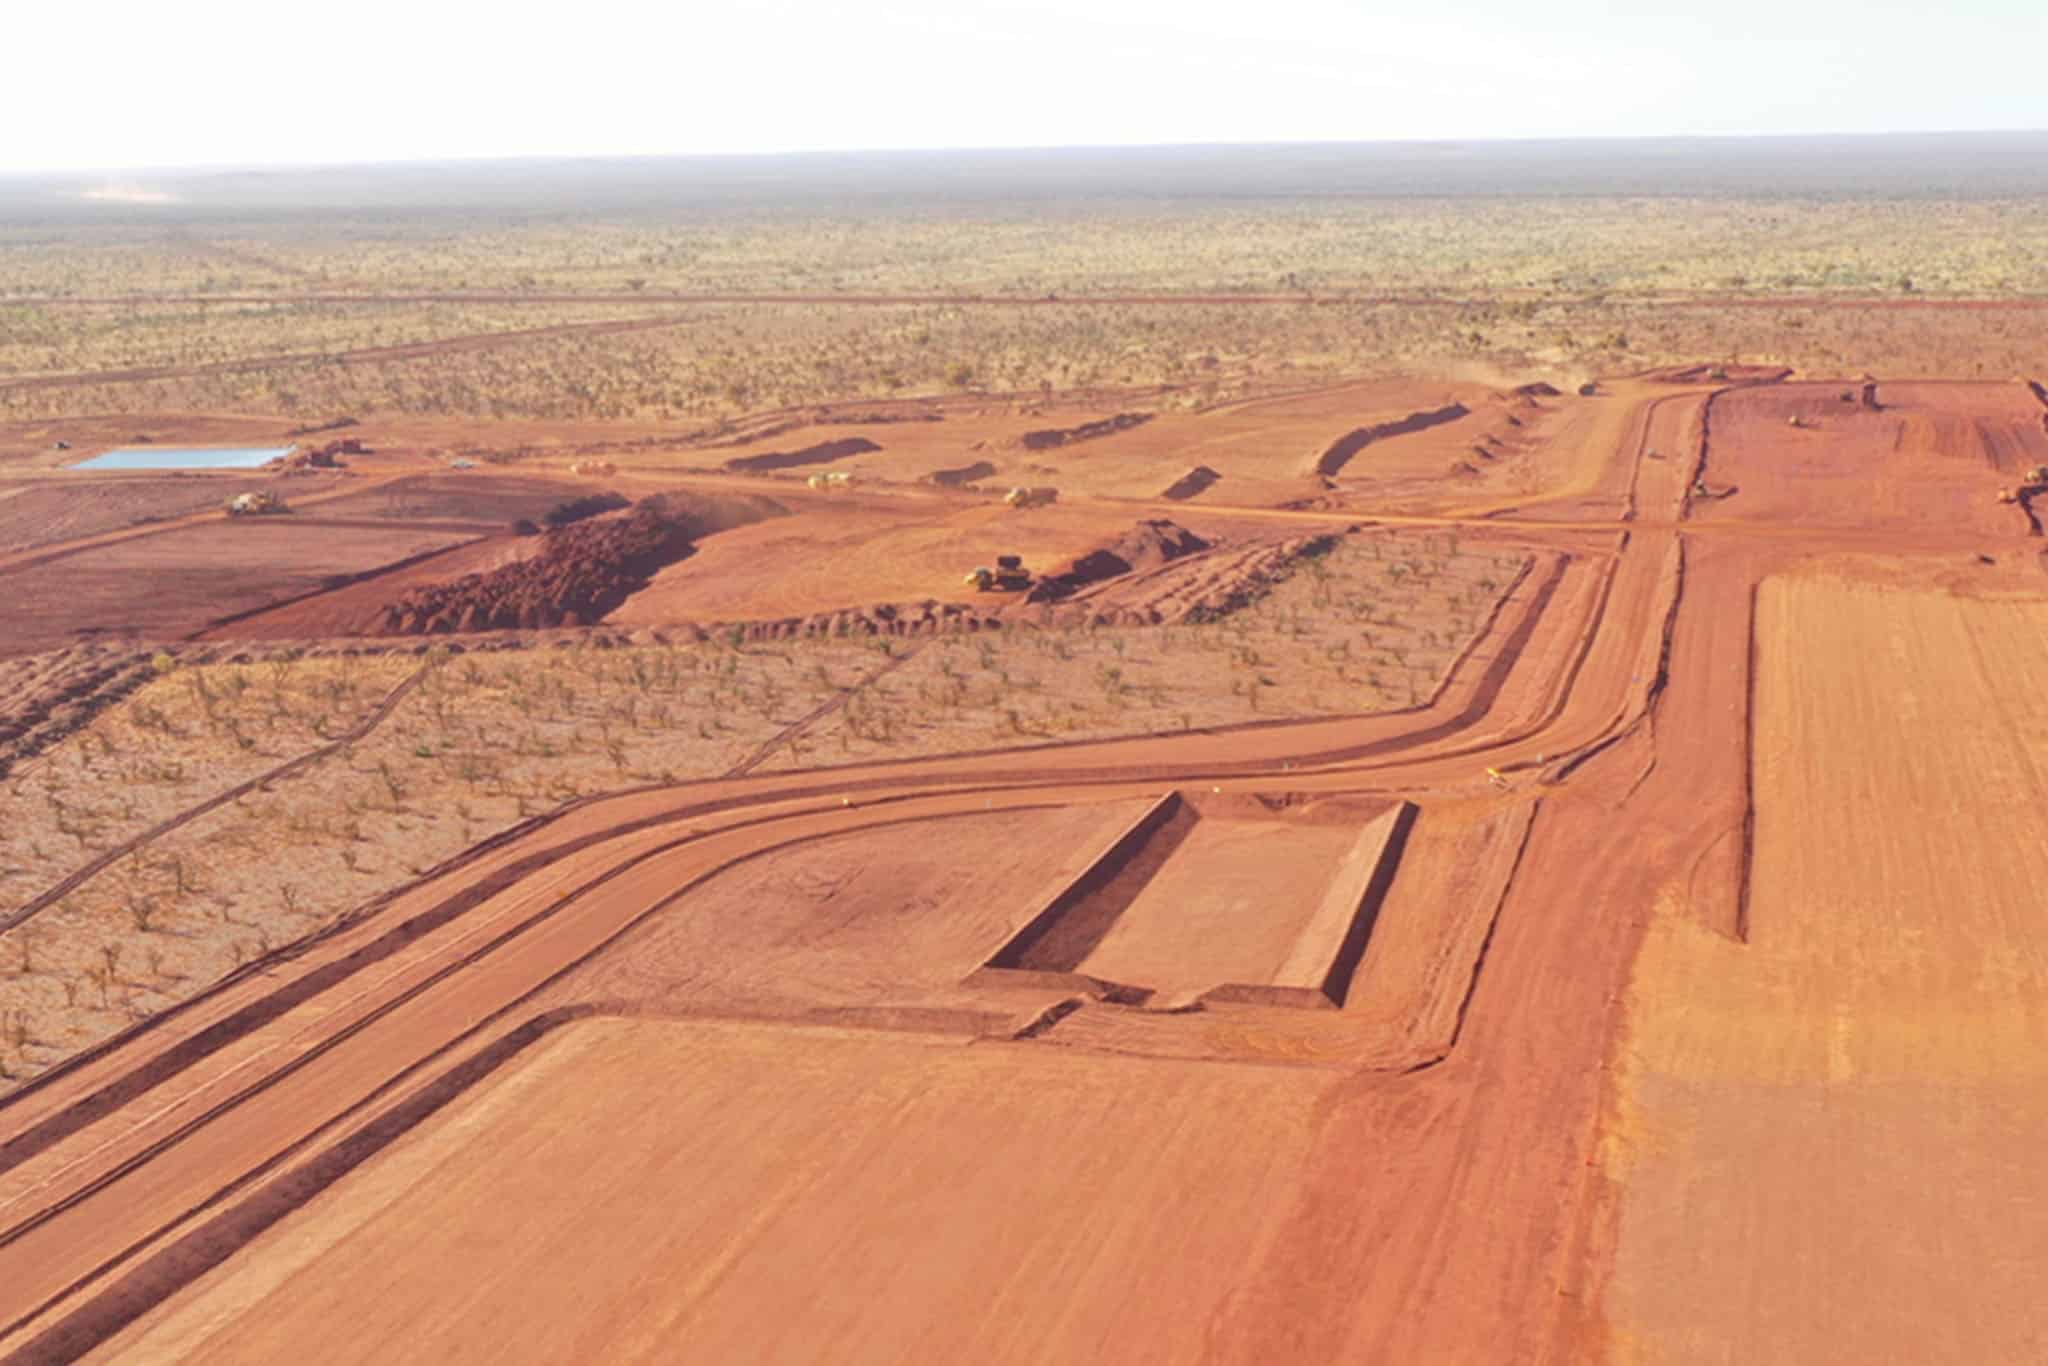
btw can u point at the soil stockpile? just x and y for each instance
(580, 572)
(577, 509)
(962, 475)
(1195, 482)
(1145, 546)
(1047, 438)
(1340, 451)
(325, 457)
(823, 453)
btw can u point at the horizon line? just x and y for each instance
(796, 153)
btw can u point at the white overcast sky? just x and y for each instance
(126, 83)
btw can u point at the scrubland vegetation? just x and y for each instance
(479, 743)
(1372, 625)
(1462, 247)
(1510, 286)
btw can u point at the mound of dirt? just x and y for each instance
(1047, 438)
(579, 573)
(926, 618)
(1720, 374)
(962, 475)
(1340, 451)
(1147, 545)
(703, 515)
(822, 453)
(590, 505)
(327, 457)
(332, 425)
(1195, 482)
(44, 698)
(877, 419)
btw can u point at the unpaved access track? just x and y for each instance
(1663, 1027)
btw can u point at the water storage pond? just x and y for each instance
(184, 458)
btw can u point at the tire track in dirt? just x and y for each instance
(819, 713)
(1507, 888)
(42, 901)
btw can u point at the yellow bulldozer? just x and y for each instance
(260, 503)
(1009, 576)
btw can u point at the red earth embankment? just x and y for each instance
(1340, 451)
(580, 572)
(1049, 438)
(1150, 543)
(1194, 483)
(959, 476)
(821, 454)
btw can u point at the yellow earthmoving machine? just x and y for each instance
(1009, 576)
(261, 503)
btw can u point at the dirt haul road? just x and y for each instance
(525, 1109)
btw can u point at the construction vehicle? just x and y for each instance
(259, 503)
(1031, 497)
(831, 479)
(1009, 576)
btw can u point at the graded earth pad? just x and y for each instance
(706, 1169)
(1829, 1143)
(167, 586)
(54, 510)
(1929, 456)
(896, 917)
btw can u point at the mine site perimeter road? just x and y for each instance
(1455, 1213)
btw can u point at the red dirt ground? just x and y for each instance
(1681, 1033)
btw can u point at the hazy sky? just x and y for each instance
(132, 83)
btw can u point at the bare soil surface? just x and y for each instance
(493, 500)
(1873, 1023)
(1657, 1048)
(174, 585)
(53, 511)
